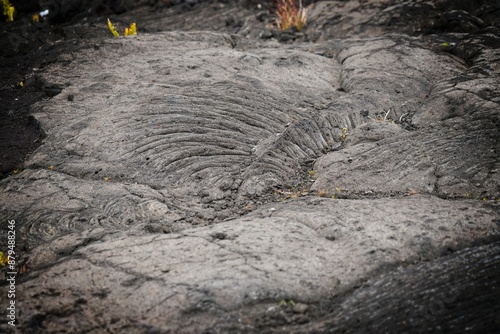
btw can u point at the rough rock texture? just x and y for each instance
(200, 181)
(306, 251)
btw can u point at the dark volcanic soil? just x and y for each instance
(19, 133)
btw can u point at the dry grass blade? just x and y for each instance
(291, 14)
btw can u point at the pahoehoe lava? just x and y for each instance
(221, 176)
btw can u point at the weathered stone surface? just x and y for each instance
(305, 251)
(464, 164)
(196, 181)
(435, 296)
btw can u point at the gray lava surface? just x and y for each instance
(215, 175)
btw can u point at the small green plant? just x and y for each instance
(287, 303)
(291, 14)
(4, 260)
(343, 136)
(113, 29)
(132, 30)
(8, 10)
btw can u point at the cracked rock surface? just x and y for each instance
(216, 179)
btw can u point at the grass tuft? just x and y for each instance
(291, 14)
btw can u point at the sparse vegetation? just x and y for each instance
(113, 29)
(291, 14)
(291, 194)
(322, 193)
(3, 260)
(132, 30)
(343, 136)
(8, 10)
(383, 116)
(287, 303)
